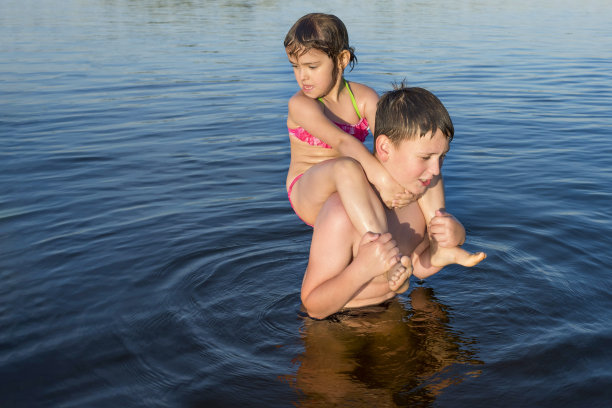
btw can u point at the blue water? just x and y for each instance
(149, 257)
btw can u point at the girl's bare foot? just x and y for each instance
(445, 256)
(398, 275)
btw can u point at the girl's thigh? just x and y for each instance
(314, 188)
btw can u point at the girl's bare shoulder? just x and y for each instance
(302, 110)
(367, 100)
(363, 92)
(300, 101)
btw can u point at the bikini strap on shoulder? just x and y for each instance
(346, 84)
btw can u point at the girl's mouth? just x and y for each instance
(426, 182)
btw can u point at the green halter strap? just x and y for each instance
(352, 99)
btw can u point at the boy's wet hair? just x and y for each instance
(319, 31)
(408, 112)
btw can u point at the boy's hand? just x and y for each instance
(377, 253)
(446, 230)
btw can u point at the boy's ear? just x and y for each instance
(383, 147)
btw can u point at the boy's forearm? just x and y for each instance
(433, 200)
(333, 294)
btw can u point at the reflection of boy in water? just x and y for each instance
(394, 357)
(346, 270)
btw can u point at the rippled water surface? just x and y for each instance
(149, 257)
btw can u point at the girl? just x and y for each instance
(328, 121)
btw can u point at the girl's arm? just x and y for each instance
(308, 114)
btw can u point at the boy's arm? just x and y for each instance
(446, 230)
(333, 277)
(433, 200)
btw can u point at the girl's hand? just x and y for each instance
(393, 195)
(377, 253)
(403, 199)
(446, 230)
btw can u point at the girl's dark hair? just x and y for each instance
(323, 32)
(407, 113)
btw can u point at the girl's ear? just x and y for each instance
(383, 147)
(344, 58)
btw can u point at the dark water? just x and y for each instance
(149, 257)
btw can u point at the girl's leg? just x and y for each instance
(345, 176)
(430, 202)
(362, 205)
(445, 256)
(425, 263)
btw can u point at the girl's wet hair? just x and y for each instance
(407, 113)
(323, 32)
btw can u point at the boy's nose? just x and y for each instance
(434, 168)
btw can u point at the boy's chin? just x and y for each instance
(417, 194)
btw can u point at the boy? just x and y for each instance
(345, 270)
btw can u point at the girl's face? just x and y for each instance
(314, 73)
(414, 163)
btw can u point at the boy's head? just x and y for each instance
(408, 113)
(322, 32)
(412, 137)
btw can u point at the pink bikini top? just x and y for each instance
(359, 130)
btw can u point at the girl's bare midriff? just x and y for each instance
(304, 156)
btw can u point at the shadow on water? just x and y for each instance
(404, 353)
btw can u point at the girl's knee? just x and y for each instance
(347, 168)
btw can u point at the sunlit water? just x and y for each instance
(149, 257)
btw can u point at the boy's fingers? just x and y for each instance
(369, 237)
(384, 238)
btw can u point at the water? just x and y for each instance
(149, 257)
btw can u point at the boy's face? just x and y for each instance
(415, 162)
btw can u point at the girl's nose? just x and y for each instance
(303, 74)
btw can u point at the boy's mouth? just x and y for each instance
(426, 182)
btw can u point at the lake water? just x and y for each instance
(149, 256)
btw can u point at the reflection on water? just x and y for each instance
(399, 355)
